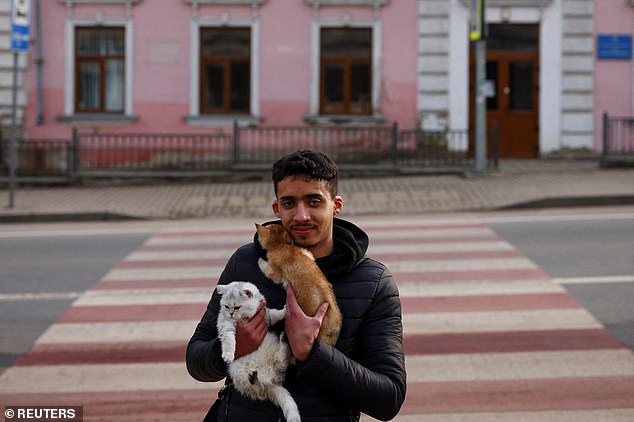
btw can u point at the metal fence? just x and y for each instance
(366, 149)
(618, 140)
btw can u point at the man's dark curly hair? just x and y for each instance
(314, 165)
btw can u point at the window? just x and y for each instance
(99, 69)
(225, 70)
(346, 71)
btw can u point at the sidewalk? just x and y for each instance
(535, 183)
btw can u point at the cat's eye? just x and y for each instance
(235, 308)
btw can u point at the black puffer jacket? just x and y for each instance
(364, 373)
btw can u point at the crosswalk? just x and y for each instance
(488, 335)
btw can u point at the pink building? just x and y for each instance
(191, 66)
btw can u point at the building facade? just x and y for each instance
(191, 66)
(187, 66)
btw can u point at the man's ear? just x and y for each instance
(276, 209)
(338, 206)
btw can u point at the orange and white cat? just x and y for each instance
(290, 263)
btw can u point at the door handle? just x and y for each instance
(507, 90)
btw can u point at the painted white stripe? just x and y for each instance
(132, 332)
(607, 415)
(493, 321)
(494, 245)
(118, 332)
(163, 273)
(143, 297)
(14, 297)
(475, 288)
(460, 264)
(595, 280)
(396, 234)
(515, 366)
(568, 217)
(394, 266)
(99, 378)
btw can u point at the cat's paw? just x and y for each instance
(227, 357)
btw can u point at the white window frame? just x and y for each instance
(195, 118)
(69, 60)
(315, 53)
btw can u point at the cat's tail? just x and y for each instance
(281, 397)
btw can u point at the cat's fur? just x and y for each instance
(258, 375)
(287, 262)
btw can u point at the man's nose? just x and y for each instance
(301, 213)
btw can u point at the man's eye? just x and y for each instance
(287, 204)
(314, 202)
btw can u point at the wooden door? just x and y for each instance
(512, 98)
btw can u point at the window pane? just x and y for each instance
(360, 88)
(89, 76)
(521, 85)
(100, 41)
(491, 90)
(515, 37)
(240, 83)
(213, 97)
(346, 42)
(333, 88)
(225, 42)
(115, 88)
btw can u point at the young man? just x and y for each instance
(365, 372)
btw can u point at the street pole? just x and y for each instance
(477, 35)
(481, 128)
(13, 155)
(19, 43)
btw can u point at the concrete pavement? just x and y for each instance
(536, 183)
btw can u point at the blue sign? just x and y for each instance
(20, 25)
(614, 47)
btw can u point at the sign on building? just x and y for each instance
(614, 47)
(20, 25)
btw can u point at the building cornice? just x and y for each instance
(513, 3)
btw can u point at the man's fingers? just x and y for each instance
(321, 312)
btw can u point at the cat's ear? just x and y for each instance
(221, 289)
(248, 293)
(260, 229)
(287, 237)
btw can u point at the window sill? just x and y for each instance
(343, 118)
(222, 120)
(98, 118)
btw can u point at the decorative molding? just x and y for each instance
(373, 3)
(226, 2)
(513, 3)
(99, 2)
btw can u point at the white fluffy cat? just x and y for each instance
(258, 375)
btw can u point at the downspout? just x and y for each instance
(39, 61)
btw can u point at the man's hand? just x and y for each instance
(301, 330)
(250, 333)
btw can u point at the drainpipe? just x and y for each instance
(39, 61)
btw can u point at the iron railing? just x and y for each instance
(618, 140)
(366, 149)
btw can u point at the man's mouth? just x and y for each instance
(302, 230)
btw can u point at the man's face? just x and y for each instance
(306, 209)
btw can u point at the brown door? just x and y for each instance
(512, 92)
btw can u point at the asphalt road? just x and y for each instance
(592, 256)
(41, 275)
(43, 268)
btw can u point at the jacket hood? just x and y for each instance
(350, 246)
